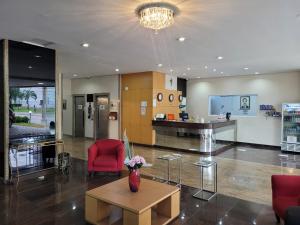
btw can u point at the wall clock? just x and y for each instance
(159, 97)
(180, 98)
(171, 98)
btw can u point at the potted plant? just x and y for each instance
(134, 164)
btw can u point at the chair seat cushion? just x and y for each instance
(282, 203)
(106, 161)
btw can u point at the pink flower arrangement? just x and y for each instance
(136, 162)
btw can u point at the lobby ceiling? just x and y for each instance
(262, 36)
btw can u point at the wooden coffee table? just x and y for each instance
(154, 203)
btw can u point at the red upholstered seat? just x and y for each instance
(106, 156)
(282, 203)
(285, 193)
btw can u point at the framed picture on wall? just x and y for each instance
(245, 102)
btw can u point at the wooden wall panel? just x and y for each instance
(165, 106)
(138, 87)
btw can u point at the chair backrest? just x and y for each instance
(285, 185)
(108, 146)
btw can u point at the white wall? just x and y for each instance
(273, 89)
(103, 84)
(67, 114)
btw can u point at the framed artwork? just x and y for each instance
(171, 98)
(159, 97)
(245, 102)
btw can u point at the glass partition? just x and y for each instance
(237, 105)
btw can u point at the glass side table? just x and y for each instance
(168, 158)
(205, 194)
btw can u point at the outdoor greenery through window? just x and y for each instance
(32, 111)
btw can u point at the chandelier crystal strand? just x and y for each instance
(156, 18)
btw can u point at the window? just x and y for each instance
(237, 105)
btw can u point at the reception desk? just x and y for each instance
(210, 138)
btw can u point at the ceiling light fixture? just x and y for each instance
(188, 68)
(75, 75)
(160, 65)
(221, 72)
(85, 45)
(206, 67)
(246, 68)
(156, 15)
(181, 39)
(40, 83)
(29, 67)
(214, 70)
(37, 56)
(220, 57)
(171, 70)
(117, 70)
(256, 73)
(184, 74)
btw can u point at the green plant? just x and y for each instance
(14, 94)
(22, 119)
(27, 94)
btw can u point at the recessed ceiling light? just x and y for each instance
(206, 67)
(188, 68)
(40, 83)
(117, 70)
(75, 75)
(214, 70)
(256, 73)
(246, 68)
(198, 77)
(171, 70)
(29, 67)
(85, 45)
(221, 72)
(220, 57)
(160, 65)
(37, 56)
(181, 39)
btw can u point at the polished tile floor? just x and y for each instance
(59, 200)
(243, 172)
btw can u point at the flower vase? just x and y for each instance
(134, 180)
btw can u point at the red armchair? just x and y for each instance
(285, 193)
(106, 156)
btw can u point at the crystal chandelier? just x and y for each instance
(156, 16)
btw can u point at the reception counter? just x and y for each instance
(211, 137)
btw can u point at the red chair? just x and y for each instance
(106, 156)
(285, 193)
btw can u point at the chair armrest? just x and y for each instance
(120, 156)
(92, 154)
(285, 186)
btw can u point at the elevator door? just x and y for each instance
(79, 103)
(101, 116)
